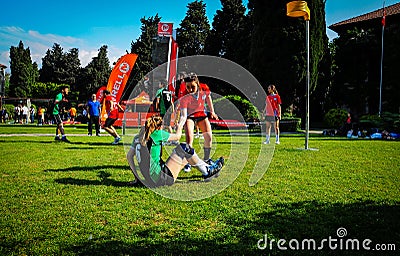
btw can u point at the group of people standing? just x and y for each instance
(93, 109)
(23, 114)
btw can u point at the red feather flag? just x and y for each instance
(384, 18)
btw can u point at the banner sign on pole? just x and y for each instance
(165, 29)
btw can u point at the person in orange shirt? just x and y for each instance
(72, 114)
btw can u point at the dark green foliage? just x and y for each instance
(143, 47)
(59, 67)
(94, 75)
(290, 124)
(24, 73)
(72, 67)
(44, 90)
(278, 49)
(335, 118)
(228, 32)
(10, 110)
(246, 109)
(194, 30)
(387, 121)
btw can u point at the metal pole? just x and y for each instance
(308, 83)
(380, 83)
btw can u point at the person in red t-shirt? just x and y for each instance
(196, 106)
(272, 113)
(112, 109)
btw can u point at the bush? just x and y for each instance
(10, 110)
(290, 124)
(245, 107)
(387, 121)
(335, 117)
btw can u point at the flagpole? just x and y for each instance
(381, 78)
(308, 84)
(300, 9)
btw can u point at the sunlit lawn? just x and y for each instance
(69, 199)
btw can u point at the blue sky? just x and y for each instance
(87, 25)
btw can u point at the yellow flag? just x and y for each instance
(298, 9)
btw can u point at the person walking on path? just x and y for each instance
(59, 100)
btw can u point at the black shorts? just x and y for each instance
(166, 177)
(271, 118)
(57, 119)
(197, 119)
(109, 122)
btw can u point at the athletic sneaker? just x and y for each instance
(65, 139)
(277, 142)
(187, 168)
(209, 161)
(57, 138)
(116, 140)
(213, 170)
(266, 142)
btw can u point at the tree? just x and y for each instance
(143, 47)
(24, 73)
(52, 64)
(45, 90)
(193, 30)
(59, 67)
(278, 52)
(94, 75)
(228, 30)
(72, 67)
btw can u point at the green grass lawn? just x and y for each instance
(73, 199)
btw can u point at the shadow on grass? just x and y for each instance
(83, 182)
(26, 141)
(88, 168)
(378, 222)
(51, 141)
(104, 181)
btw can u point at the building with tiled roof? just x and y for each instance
(366, 57)
(370, 20)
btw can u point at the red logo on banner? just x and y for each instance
(165, 29)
